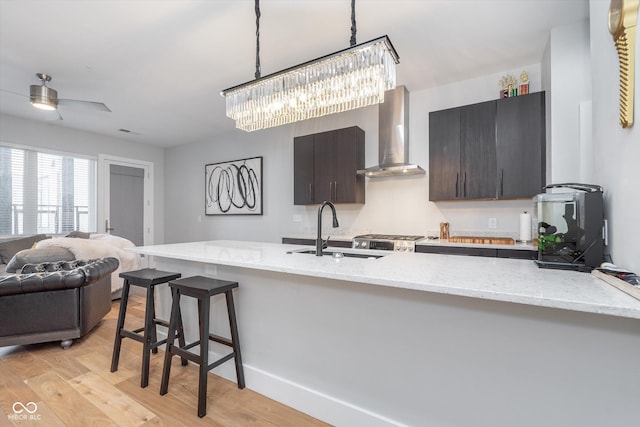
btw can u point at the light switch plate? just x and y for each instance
(493, 222)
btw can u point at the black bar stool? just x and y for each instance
(146, 278)
(201, 288)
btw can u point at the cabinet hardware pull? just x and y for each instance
(330, 191)
(310, 193)
(464, 186)
(335, 190)
(457, 178)
(502, 182)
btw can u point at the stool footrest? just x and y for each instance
(221, 361)
(137, 331)
(185, 354)
(221, 340)
(158, 344)
(161, 322)
(131, 334)
(189, 346)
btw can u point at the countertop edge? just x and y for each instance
(423, 287)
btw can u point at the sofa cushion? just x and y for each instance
(10, 247)
(36, 256)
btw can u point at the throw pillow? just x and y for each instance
(37, 256)
(8, 248)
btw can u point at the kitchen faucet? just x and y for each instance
(320, 244)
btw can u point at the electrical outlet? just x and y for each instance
(297, 218)
(493, 222)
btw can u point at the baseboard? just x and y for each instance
(304, 399)
(312, 402)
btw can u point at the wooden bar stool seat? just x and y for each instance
(201, 288)
(146, 278)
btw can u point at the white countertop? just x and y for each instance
(501, 279)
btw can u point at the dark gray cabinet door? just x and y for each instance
(478, 151)
(303, 170)
(444, 154)
(326, 165)
(521, 141)
(348, 186)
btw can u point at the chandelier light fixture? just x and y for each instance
(350, 78)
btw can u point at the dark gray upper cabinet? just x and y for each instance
(325, 167)
(444, 154)
(489, 150)
(521, 141)
(478, 151)
(303, 170)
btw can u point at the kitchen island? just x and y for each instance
(422, 339)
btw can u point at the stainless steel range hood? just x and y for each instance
(393, 137)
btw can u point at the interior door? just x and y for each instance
(126, 203)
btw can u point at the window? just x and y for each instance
(45, 192)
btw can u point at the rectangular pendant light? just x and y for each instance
(351, 78)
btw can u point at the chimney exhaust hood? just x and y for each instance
(393, 137)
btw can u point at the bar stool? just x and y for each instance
(201, 288)
(146, 278)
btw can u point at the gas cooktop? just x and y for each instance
(386, 242)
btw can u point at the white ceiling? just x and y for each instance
(160, 65)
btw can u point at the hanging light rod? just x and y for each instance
(344, 80)
(384, 39)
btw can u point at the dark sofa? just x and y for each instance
(54, 301)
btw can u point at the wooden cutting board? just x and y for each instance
(484, 240)
(634, 291)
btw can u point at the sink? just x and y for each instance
(338, 254)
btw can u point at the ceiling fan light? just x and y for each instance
(43, 98)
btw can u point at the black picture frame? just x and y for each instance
(234, 187)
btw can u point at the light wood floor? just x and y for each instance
(75, 388)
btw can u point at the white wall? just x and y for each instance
(40, 134)
(617, 150)
(393, 205)
(570, 86)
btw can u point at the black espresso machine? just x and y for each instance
(570, 223)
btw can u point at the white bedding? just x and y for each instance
(99, 246)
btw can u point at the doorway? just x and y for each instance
(126, 196)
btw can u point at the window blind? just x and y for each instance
(45, 192)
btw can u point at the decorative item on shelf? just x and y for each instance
(508, 86)
(444, 231)
(623, 21)
(524, 83)
(345, 80)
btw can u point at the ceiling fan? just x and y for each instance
(46, 98)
